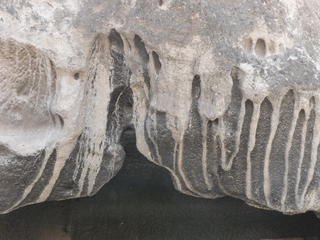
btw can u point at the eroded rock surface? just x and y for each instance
(223, 94)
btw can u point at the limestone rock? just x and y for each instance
(223, 94)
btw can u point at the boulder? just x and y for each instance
(223, 94)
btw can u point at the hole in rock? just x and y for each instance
(76, 76)
(260, 48)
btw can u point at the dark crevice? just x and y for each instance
(231, 117)
(192, 143)
(120, 72)
(259, 151)
(276, 167)
(116, 41)
(312, 102)
(162, 3)
(144, 59)
(76, 76)
(234, 181)
(119, 127)
(159, 138)
(215, 122)
(140, 46)
(306, 163)
(156, 61)
(294, 157)
(120, 111)
(61, 121)
(127, 136)
(219, 153)
(214, 156)
(53, 70)
(196, 87)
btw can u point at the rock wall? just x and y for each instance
(223, 94)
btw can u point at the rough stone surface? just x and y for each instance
(223, 94)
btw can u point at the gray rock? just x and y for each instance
(223, 94)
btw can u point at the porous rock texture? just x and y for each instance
(223, 94)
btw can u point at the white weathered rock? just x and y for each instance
(223, 94)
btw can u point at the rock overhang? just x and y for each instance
(213, 89)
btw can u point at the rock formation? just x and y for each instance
(223, 94)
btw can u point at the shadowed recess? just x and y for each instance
(260, 48)
(156, 61)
